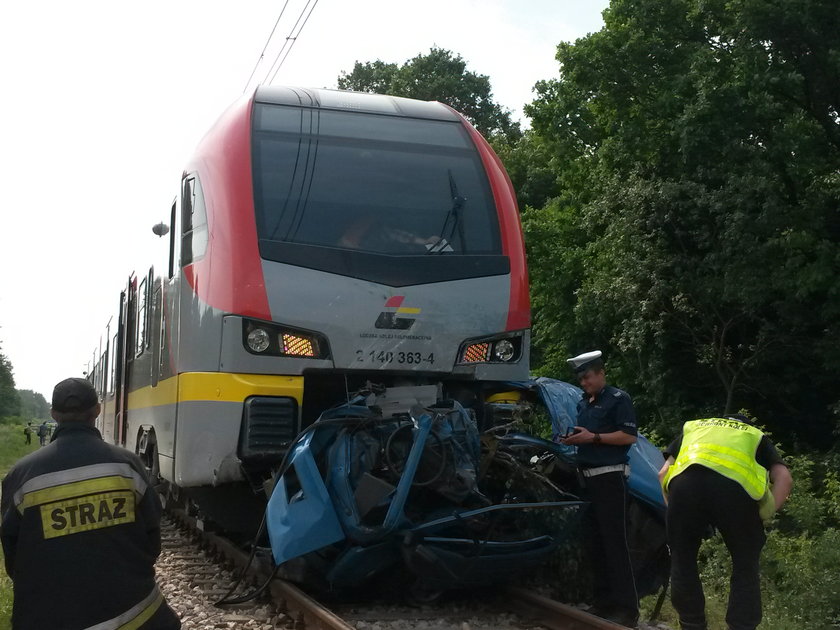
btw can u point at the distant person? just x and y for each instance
(81, 522)
(43, 432)
(606, 429)
(724, 473)
(27, 433)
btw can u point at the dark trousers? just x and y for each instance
(605, 538)
(697, 498)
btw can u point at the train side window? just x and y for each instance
(194, 219)
(141, 319)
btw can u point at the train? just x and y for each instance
(322, 243)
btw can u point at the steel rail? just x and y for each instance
(557, 616)
(307, 611)
(312, 615)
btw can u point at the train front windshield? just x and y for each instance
(368, 183)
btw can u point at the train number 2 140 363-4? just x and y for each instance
(401, 357)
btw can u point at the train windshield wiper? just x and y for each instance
(452, 222)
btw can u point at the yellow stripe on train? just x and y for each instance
(215, 387)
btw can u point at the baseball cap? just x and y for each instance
(74, 394)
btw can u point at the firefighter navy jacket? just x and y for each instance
(80, 534)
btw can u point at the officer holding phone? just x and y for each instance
(606, 427)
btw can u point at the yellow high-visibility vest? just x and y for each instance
(728, 447)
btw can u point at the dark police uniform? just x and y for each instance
(698, 498)
(603, 467)
(81, 522)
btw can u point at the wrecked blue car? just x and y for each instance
(395, 482)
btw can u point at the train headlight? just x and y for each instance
(279, 340)
(501, 348)
(259, 340)
(504, 350)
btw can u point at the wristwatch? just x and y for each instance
(596, 438)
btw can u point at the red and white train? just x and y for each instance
(321, 240)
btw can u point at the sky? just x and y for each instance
(102, 103)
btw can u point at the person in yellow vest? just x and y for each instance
(725, 473)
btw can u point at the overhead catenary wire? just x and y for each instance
(267, 42)
(290, 42)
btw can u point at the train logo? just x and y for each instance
(388, 318)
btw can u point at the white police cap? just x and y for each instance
(586, 361)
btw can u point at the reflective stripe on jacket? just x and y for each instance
(728, 447)
(136, 616)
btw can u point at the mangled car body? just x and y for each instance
(397, 482)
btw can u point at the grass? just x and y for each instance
(12, 448)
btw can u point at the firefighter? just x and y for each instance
(723, 473)
(81, 522)
(606, 429)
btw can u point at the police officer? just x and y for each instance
(725, 473)
(606, 429)
(81, 522)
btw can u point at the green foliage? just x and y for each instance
(681, 178)
(13, 446)
(681, 207)
(33, 406)
(9, 399)
(800, 578)
(373, 76)
(441, 75)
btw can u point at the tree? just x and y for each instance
(33, 405)
(697, 190)
(374, 77)
(9, 400)
(441, 76)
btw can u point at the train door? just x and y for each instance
(171, 312)
(155, 325)
(124, 338)
(167, 302)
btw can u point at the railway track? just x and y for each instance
(197, 567)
